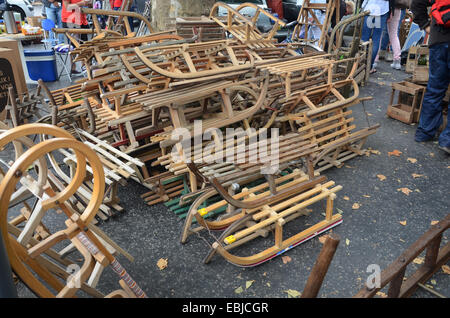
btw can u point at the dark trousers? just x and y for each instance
(431, 116)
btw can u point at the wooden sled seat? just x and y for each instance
(273, 217)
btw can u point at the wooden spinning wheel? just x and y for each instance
(37, 263)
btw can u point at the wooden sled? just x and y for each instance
(243, 28)
(26, 254)
(272, 217)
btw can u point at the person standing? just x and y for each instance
(73, 18)
(392, 27)
(374, 23)
(53, 12)
(438, 28)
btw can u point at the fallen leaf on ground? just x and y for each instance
(381, 294)
(265, 274)
(431, 154)
(239, 290)
(347, 242)
(356, 206)
(446, 269)
(323, 238)
(346, 198)
(395, 152)
(433, 281)
(375, 152)
(292, 293)
(366, 196)
(405, 190)
(412, 160)
(268, 284)
(416, 175)
(434, 222)
(381, 177)
(248, 283)
(418, 260)
(162, 263)
(402, 223)
(429, 286)
(286, 259)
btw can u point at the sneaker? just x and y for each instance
(375, 64)
(446, 149)
(396, 65)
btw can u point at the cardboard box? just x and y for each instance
(34, 21)
(6, 43)
(11, 73)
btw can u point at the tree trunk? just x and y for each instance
(163, 11)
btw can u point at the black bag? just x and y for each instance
(402, 4)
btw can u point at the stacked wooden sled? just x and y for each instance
(152, 106)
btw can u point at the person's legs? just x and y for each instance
(444, 137)
(61, 37)
(383, 45)
(378, 23)
(392, 26)
(439, 78)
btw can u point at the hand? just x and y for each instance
(427, 29)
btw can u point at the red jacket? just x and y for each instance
(115, 3)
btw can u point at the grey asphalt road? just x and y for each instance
(369, 235)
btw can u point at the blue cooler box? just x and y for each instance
(41, 65)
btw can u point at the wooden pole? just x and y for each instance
(320, 268)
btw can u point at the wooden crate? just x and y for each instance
(409, 102)
(414, 55)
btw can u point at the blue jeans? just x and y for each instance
(431, 115)
(385, 38)
(372, 28)
(54, 14)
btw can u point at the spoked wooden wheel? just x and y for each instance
(38, 263)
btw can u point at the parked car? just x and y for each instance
(24, 7)
(246, 11)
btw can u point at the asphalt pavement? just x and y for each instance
(386, 222)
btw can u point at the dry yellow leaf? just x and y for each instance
(286, 259)
(395, 152)
(249, 283)
(434, 222)
(431, 154)
(403, 223)
(376, 152)
(347, 242)
(292, 293)
(418, 260)
(366, 196)
(239, 290)
(356, 206)
(323, 238)
(162, 263)
(446, 269)
(381, 294)
(405, 190)
(412, 160)
(381, 177)
(346, 198)
(416, 175)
